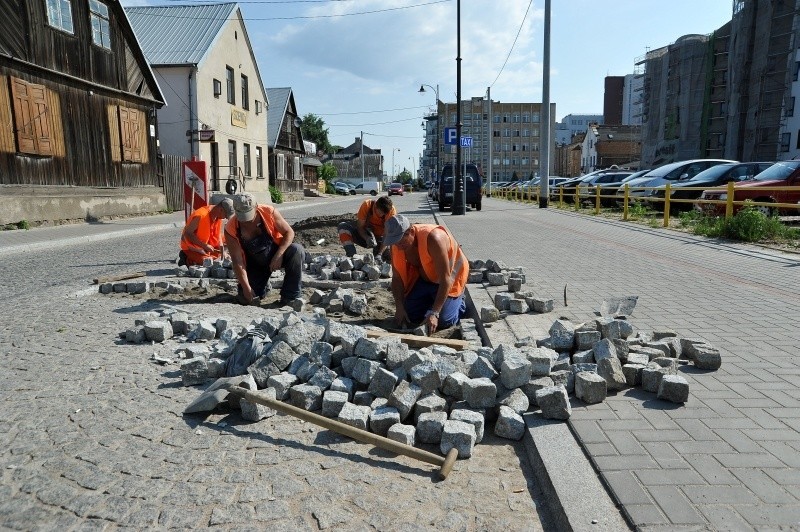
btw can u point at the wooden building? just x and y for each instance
(77, 108)
(285, 142)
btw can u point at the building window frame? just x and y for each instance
(100, 22)
(232, 157)
(59, 15)
(259, 163)
(246, 159)
(230, 85)
(217, 84)
(245, 93)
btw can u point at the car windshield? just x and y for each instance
(395, 185)
(712, 173)
(778, 171)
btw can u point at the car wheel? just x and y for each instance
(763, 209)
(373, 192)
(352, 192)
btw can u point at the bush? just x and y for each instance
(276, 195)
(748, 224)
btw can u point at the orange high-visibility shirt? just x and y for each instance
(366, 213)
(457, 261)
(207, 231)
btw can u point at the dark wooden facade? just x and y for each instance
(72, 112)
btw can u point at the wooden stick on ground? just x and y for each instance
(114, 278)
(445, 463)
(420, 341)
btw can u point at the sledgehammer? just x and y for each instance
(445, 463)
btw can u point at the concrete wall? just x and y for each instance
(173, 118)
(51, 203)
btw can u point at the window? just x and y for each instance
(232, 157)
(506, 117)
(247, 160)
(217, 88)
(32, 118)
(524, 161)
(535, 132)
(259, 163)
(280, 166)
(790, 107)
(506, 132)
(514, 147)
(786, 138)
(526, 132)
(245, 93)
(526, 117)
(101, 35)
(535, 146)
(796, 70)
(516, 118)
(535, 117)
(496, 119)
(59, 14)
(516, 132)
(524, 147)
(230, 85)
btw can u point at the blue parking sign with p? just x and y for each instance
(450, 136)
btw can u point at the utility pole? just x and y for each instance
(544, 166)
(362, 156)
(491, 133)
(458, 178)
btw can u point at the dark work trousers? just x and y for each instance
(420, 300)
(351, 228)
(259, 252)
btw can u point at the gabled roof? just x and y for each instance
(179, 34)
(278, 104)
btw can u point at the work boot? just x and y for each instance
(182, 258)
(349, 249)
(387, 255)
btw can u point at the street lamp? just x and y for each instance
(436, 144)
(393, 172)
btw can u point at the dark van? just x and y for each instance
(473, 191)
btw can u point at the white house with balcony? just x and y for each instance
(216, 102)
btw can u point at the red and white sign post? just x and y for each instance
(195, 186)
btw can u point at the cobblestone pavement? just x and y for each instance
(92, 434)
(729, 459)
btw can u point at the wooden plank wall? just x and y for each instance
(173, 181)
(7, 143)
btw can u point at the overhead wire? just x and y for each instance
(513, 44)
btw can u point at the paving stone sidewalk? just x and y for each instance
(729, 459)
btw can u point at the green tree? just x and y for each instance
(327, 172)
(404, 176)
(314, 130)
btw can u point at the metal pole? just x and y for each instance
(491, 133)
(458, 179)
(362, 156)
(544, 161)
(436, 159)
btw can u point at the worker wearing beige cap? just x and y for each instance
(202, 237)
(429, 273)
(260, 241)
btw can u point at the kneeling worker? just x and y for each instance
(202, 236)
(429, 273)
(367, 230)
(260, 242)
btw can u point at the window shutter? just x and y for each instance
(125, 131)
(41, 120)
(136, 135)
(297, 168)
(281, 159)
(26, 142)
(113, 132)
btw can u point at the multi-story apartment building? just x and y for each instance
(574, 124)
(632, 100)
(428, 163)
(515, 130)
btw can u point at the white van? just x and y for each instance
(369, 187)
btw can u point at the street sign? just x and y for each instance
(466, 142)
(206, 135)
(450, 135)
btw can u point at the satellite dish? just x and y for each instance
(297, 122)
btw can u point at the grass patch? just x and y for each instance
(747, 225)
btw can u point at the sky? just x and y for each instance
(359, 64)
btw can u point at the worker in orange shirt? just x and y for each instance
(429, 274)
(202, 237)
(367, 230)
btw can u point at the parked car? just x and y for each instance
(712, 177)
(672, 172)
(608, 182)
(368, 187)
(408, 187)
(570, 185)
(474, 181)
(395, 188)
(341, 187)
(780, 174)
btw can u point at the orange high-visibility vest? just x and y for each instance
(374, 222)
(265, 212)
(459, 268)
(207, 231)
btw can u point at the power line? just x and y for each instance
(374, 123)
(513, 44)
(379, 111)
